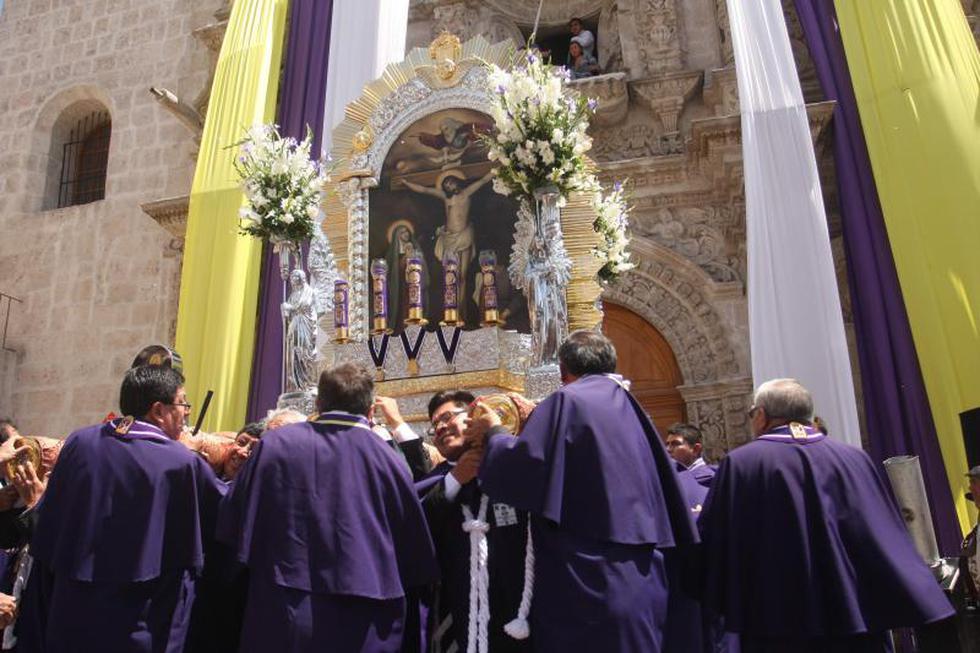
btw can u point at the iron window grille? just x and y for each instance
(84, 160)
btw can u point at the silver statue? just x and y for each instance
(299, 314)
(545, 278)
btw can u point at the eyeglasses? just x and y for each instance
(444, 419)
(752, 411)
(186, 407)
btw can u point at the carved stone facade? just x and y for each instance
(99, 280)
(668, 121)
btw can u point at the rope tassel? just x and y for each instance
(520, 627)
(477, 639)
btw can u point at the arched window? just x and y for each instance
(84, 160)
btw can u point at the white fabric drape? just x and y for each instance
(365, 36)
(795, 323)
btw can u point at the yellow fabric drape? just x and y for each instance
(916, 74)
(220, 277)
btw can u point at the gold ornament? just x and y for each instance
(28, 450)
(445, 51)
(362, 140)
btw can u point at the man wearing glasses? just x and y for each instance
(121, 531)
(452, 499)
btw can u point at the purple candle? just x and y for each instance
(341, 302)
(379, 295)
(450, 294)
(413, 282)
(488, 294)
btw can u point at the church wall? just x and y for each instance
(98, 280)
(668, 122)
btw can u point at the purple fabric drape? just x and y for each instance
(899, 420)
(301, 103)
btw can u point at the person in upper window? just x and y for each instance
(583, 37)
(581, 64)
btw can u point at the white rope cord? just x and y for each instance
(477, 640)
(520, 627)
(537, 19)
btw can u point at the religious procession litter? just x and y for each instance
(436, 448)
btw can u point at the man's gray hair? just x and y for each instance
(785, 399)
(283, 416)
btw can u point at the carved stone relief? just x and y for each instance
(633, 141)
(650, 37)
(727, 50)
(708, 236)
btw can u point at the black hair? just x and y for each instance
(255, 429)
(144, 386)
(690, 433)
(461, 398)
(587, 352)
(348, 387)
(158, 355)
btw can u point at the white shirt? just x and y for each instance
(697, 463)
(586, 40)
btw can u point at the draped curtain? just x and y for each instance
(362, 37)
(220, 275)
(916, 76)
(796, 328)
(367, 35)
(897, 416)
(301, 105)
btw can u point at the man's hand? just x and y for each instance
(468, 466)
(389, 410)
(8, 610)
(482, 419)
(7, 451)
(29, 486)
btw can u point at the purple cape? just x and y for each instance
(591, 461)
(694, 491)
(125, 508)
(704, 474)
(328, 508)
(118, 544)
(802, 539)
(603, 495)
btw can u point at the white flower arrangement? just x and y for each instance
(612, 220)
(542, 141)
(283, 187)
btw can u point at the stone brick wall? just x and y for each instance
(98, 280)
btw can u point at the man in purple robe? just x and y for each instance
(604, 500)
(120, 532)
(326, 519)
(805, 550)
(685, 445)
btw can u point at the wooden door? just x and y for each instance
(646, 359)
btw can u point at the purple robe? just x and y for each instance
(119, 543)
(603, 495)
(802, 540)
(704, 474)
(325, 516)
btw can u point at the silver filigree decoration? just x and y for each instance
(558, 260)
(323, 272)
